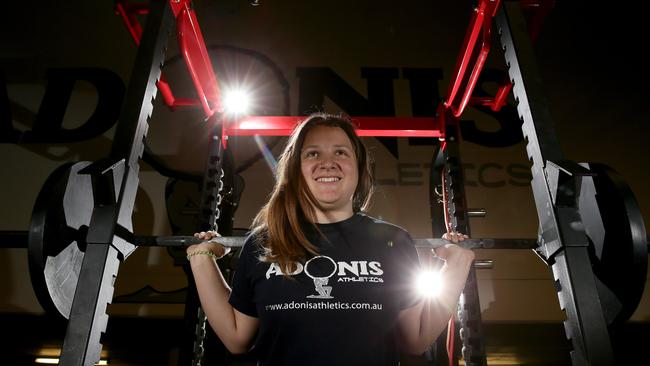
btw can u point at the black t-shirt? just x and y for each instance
(338, 308)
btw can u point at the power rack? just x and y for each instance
(591, 235)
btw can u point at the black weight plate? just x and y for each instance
(61, 212)
(182, 203)
(617, 233)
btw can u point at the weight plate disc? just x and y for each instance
(616, 229)
(59, 220)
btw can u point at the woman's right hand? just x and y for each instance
(215, 248)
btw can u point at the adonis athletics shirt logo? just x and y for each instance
(322, 268)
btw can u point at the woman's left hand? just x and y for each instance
(455, 237)
(458, 258)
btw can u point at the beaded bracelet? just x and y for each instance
(202, 252)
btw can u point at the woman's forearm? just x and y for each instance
(213, 294)
(423, 323)
(437, 311)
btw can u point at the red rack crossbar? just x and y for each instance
(366, 126)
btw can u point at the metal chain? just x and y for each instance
(469, 310)
(199, 350)
(210, 201)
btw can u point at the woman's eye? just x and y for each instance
(311, 154)
(341, 153)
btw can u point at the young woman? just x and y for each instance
(318, 281)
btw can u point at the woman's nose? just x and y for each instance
(327, 162)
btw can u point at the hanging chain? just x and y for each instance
(210, 201)
(469, 309)
(199, 350)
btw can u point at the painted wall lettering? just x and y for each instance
(315, 84)
(486, 175)
(47, 126)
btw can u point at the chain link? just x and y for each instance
(210, 201)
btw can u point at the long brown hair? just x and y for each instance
(280, 224)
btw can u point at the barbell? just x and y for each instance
(613, 223)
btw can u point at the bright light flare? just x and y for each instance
(429, 283)
(236, 102)
(266, 152)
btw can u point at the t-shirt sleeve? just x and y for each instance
(409, 268)
(242, 296)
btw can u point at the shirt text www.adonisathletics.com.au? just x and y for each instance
(322, 305)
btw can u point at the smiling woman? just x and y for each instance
(316, 267)
(323, 176)
(329, 167)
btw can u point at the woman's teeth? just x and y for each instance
(328, 179)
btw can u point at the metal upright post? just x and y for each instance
(556, 182)
(115, 183)
(469, 307)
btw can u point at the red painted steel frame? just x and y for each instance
(480, 25)
(366, 126)
(128, 13)
(192, 48)
(195, 54)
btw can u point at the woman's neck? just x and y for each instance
(332, 216)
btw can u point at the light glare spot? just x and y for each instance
(429, 284)
(236, 102)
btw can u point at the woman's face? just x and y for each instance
(329, 166)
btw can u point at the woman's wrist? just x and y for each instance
(201, 253)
